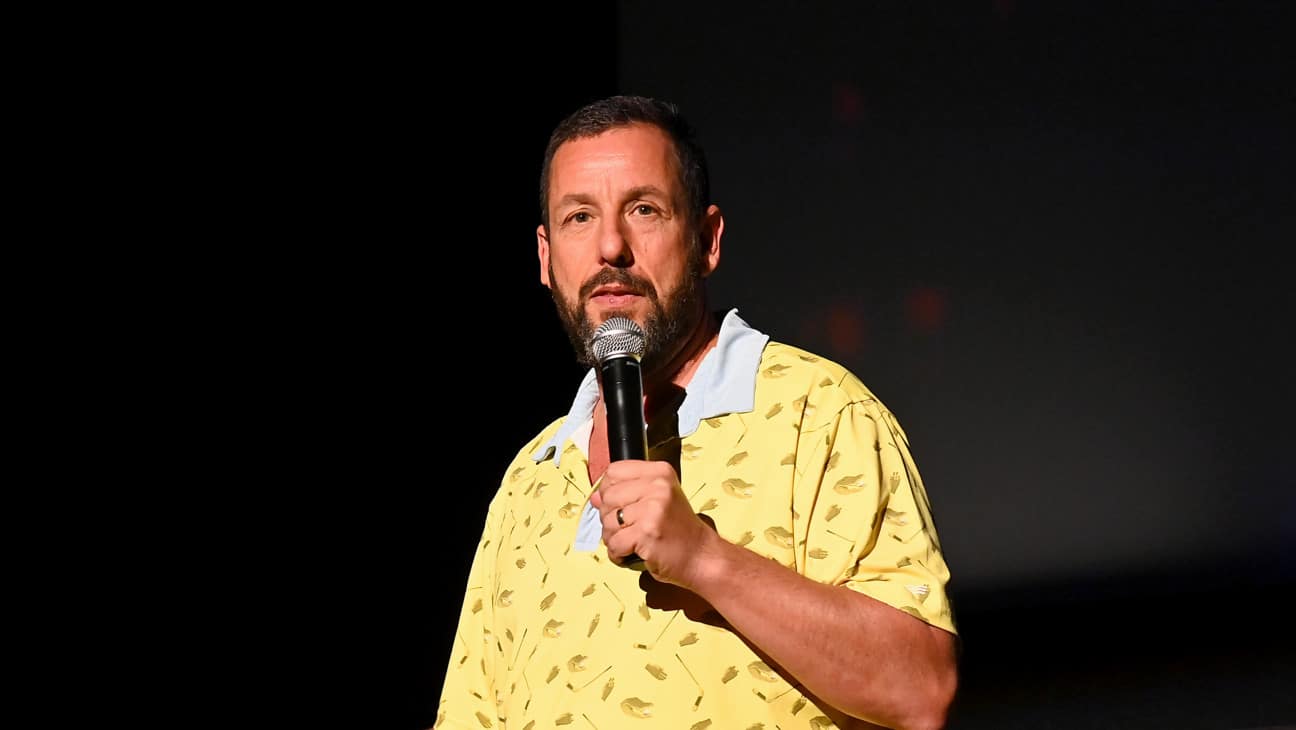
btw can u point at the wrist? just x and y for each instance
(710, 564)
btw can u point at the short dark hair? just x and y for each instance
(621, 111)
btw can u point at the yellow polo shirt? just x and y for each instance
(789, 454)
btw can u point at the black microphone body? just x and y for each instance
(618, 344)
(623, 397)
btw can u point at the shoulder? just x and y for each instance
(525, 456)
(523, 468)
(786, 369)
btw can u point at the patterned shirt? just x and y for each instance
(788, 454)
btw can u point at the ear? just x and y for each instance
(712, 231)
(542, 250)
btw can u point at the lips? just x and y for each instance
(615, 291)
(611, 301)
(615, 295)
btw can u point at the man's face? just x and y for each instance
(620, 241)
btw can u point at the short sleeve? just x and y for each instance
(870, 527)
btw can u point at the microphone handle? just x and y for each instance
(626, 427)
(623, 396)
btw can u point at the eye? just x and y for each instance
(644, 209)
(579, 216)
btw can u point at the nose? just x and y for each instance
(614, 244)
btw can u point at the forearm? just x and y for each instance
(859, 655)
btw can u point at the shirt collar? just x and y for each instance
(725, 382)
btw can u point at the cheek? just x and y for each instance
(565, 283)
(562, 277)
(671, 279)
(565, 259)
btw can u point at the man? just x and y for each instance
(791, 573)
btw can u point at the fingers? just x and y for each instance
(613, 512)
(617, 493)
(630, 475)
(633, 499)
(626, 482)
(620, 535)
(607, 508)
(620, 544)
(618, 518)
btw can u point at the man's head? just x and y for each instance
(626, 226)
(622, 111)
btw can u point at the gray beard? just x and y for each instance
(667, 325)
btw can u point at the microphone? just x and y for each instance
(618, 344)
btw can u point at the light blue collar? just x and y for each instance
(725, 382)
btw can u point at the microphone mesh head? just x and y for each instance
(618, 336)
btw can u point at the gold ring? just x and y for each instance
(620, 517)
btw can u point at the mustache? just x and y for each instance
(621, 277)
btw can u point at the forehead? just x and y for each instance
(631, 156)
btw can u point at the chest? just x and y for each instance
(599, 454)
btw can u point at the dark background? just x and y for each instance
(1050, 237)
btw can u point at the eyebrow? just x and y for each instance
(633, 193)
(646, 191)
(574, 199)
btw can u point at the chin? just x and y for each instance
(599, 316)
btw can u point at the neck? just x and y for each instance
(666, 384)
